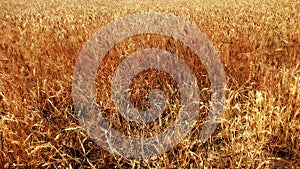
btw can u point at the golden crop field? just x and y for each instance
(258, 43)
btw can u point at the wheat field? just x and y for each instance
(257, 42)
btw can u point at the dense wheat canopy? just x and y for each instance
(257, 42)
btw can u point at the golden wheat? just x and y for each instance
(258, 43)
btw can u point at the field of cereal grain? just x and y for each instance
(257, 42)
